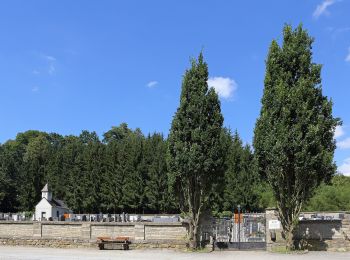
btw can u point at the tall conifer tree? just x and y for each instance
(195, 153)
(293, 140)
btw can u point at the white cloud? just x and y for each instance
(339, 131)
(51, 63)
(36, 72)
(322, 8)
(345, 144)
(345, 167)
(152, 84)
(224, 87)
(348, 56)
(51, 70)
(49, 58)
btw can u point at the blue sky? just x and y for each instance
(66, 66)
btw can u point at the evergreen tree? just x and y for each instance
(217, 197)
(293, 139)
(10, 170)
(70, 173)
(33, 174)
(194, 152)
(54, 174)
(123, 187)
(240, 177)
(133, 182)
(112, 179)
(92, 171)
(156, 181)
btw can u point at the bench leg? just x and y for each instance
(101, 246)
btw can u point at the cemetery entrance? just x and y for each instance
(243, 232)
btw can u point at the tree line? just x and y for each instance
(123, 171)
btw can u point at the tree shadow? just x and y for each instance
(315, 235)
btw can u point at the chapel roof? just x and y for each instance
(46, 188)
(58, 203)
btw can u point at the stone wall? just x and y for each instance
(165, 232)
(331, 235)
(16, 229)
(75, 234)
(61, 231)
(106, 230)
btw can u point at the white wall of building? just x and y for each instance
(47, 195)
(58, 210)
(43, 207)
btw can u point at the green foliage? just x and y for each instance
(265, 195)
(240, 177)
(293, 140)
(241, 184)
(127, 172)
(195, 153)
(333, 197)
(157, 196)
(226, 214)
(35, 160)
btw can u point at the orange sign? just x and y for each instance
(238, 217)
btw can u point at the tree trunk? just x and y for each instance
(192, 235)
(290, 237)
(289, 220)
(195, 236)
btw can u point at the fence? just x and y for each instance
(124, 217)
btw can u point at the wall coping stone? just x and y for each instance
(165, 224)
(318, 221)
(95, 223)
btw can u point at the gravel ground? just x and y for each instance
(7, 252)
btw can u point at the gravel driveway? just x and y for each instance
(8, 252)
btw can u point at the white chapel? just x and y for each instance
(48, 207)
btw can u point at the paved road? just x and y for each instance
(7, 252)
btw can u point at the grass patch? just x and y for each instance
(284, 250)
(199, 250)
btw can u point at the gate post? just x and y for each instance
(273, 228)
(239, 227)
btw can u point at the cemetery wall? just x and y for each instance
(84, 234)
(318, 235)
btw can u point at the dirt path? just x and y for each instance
(7, 252)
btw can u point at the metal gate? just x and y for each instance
(243, 232)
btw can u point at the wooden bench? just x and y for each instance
(121, 242)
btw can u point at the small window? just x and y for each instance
(58, 213)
